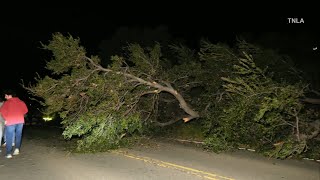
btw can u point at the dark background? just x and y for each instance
(22, 30)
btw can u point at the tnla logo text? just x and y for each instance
(295, 20)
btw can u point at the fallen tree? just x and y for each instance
(103, 104)
(256, 103)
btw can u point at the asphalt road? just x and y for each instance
(45, 158)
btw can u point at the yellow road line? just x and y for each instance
(196, 172)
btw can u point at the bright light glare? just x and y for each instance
(47, 118)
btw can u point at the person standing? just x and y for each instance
(13, 111)
(3, 129)
(2, 125)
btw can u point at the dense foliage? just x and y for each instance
(244, 96)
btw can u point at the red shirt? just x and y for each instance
(13, 111)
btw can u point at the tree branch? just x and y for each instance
(311, 100)
(316, 92)
(316, 132)
(167, 123)
(183, 104)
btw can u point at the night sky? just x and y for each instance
(22, 31)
